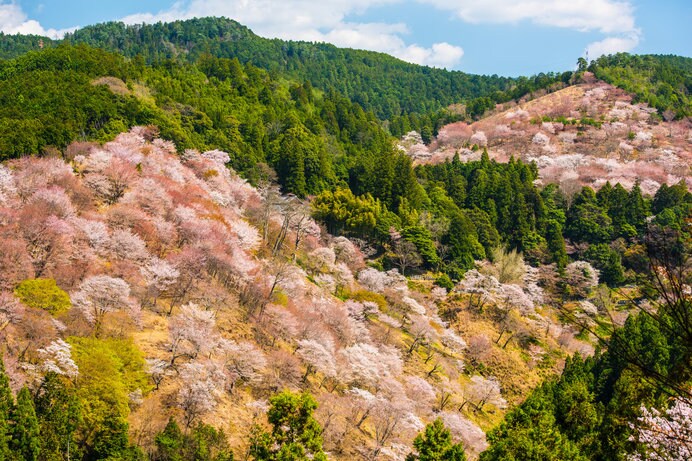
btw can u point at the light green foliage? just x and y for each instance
(343, 211)
(109, 369)
(43, 294)
(508, 265)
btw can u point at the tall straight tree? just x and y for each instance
(25, 432)
(59, 413)
(6, 407)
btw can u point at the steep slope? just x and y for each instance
(314, 142)
(585, 134)
(663, 82)
(232, 294)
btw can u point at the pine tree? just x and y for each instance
(59, 413)
(296, 435)
(169, 442)
(435, 444)
(25, 431)
(6, 408)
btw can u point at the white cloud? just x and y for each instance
(13, 20)
(325, 21)
(612, 17)
(439, 55)
(606, 16)
(611, 45)
(322, 21)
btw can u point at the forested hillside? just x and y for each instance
(663, 82)
(378, 82)
(313, 141)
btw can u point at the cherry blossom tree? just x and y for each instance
(368, 365)
(56, 201)
(666, 436)
(347, 252)
(479, 138)
(191, 331)
(283, 371)
(581, 277)
(11, 310)
(378, 281)
(278, 323)
(199, 391)
(158, 370)
(481, 288)
(100, 294)
(319, 356)
(472, 436)
(421, 333)
(483, 391)
(243, 362)
(57, 358)
(159, 275)
(128, 246)
(15, 262)
(421, 392)
(406, 255)
(514, 297)
(479, 349)
(452, 340)
(8, 189)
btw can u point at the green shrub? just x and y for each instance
(43, 294)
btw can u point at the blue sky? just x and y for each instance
(504, 37)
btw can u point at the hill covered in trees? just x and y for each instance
(378, 82)
(661, 81)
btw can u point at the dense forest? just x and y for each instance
(377, 82)
(663, 82)
(270, 270)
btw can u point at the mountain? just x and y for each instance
(378, 82)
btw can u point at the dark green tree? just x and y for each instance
(25, 429)
(295, 436)
(530, 433)
(588, 222)
(206, 443)
(59, 414)
(608, 262)
(6, 408)
(169, 442)
(435, 444)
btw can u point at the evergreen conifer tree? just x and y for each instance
(169, 442)
(435, 444)
(6, 407)
(25, 431)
